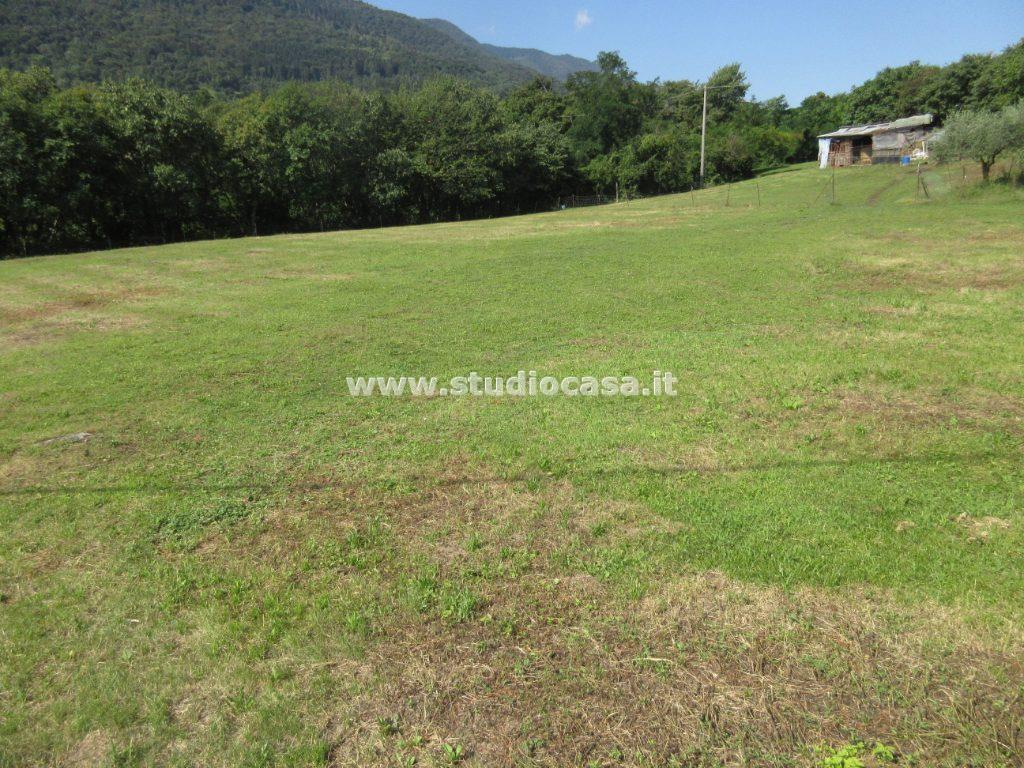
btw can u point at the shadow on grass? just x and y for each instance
(779, 170)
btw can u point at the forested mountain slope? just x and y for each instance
(237, 46)
(558, 67)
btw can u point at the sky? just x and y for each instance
(787, 47)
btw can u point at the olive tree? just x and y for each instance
(982, 136)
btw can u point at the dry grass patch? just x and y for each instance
(703, 672)
(57, 328)
(929, 239)
(977, 409)
(895, 311)
(311, 275)
(76, 300)
(549, 665)
(933, 275)
(984, 528)
(92, 751)
(922, 260)
(701, 458)
(95, 310)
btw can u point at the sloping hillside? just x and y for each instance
(558, 67)
(237, 46)
(212, 554)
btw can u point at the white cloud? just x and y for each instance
(583, 19)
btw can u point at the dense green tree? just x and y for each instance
(295, 158)
(607, 108)
(83, 189)
(395, 186)
(655, 163)
(455, 129)
(893, 93)
(537, 102)
(25, 194)
(954, 87)
(1001, 82)
(534, 164)
(166, 162)
(727, 89)
(682, 101)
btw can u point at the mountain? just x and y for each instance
(556, 67)
(240, 45)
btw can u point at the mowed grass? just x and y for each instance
(817, 545)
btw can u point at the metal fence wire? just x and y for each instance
(582, 201)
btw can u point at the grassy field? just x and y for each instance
(212, 555)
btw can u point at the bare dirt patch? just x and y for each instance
(17, 466)
(997, 236)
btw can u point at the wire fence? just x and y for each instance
(583, 201)
(831, 188)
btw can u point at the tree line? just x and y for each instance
(124, 163)
(117, 164)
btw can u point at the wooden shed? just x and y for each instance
(875, 142)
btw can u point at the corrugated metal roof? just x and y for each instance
(871, 129)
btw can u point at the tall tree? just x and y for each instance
(606, 108)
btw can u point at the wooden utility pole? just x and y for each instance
(703, 134)
(704, 129)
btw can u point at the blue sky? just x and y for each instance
(787, 47)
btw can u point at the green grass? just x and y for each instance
(245, 566)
